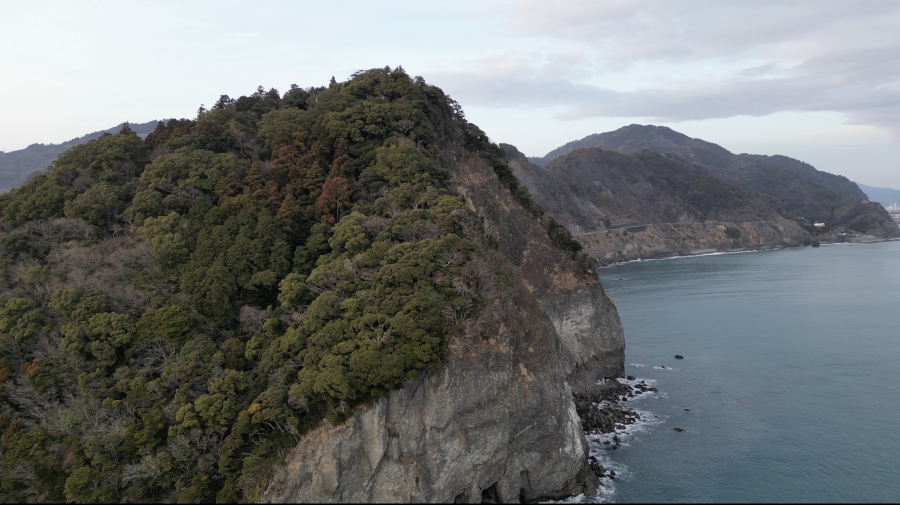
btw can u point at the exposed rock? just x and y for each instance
(595, 419)
(497, 421)
(594, 339)
(596, 467)
(678, 356)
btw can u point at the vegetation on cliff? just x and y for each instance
(176, 312)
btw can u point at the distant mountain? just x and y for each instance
(797, 189)
(590, 186)
(644, 205)
(17, 166)
(884, 196)
(665, 140)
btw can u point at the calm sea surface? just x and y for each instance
(791, 374)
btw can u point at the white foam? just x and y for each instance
(627, 434)
(603, 454)
(716, 253)
(647, 383)
(636, 381)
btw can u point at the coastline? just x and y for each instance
(609, 421)
(741, 413)
(703, 252)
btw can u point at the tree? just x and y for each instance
(99, 205)
(335, 196)
(126, 130)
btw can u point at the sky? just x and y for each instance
(815, 80)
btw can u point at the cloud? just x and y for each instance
(628, 31)
(695, 60)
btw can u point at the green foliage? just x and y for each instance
(102, 168)
(172, 323)
(20, 319)
(308, 255)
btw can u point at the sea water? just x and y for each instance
(789, 390)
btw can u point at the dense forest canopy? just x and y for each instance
(17, 166)
(176, 312)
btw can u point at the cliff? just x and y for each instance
(336, 293)
(497, 420)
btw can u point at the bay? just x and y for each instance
(791, 376)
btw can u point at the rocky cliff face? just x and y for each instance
(497, 421)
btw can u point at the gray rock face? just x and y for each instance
(498, 417)
(589, 328)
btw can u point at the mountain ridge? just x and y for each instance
(802, 193)
(646, 191)
(16, 166)
(884, 196)
(663, 139)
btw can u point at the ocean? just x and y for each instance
(789, 390)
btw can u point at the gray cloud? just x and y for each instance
(799, 56)
(627, 31)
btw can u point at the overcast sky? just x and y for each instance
(817, 80)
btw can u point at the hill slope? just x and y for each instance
(800, 190)
(17, 166)
(179, 313)
(646, 205)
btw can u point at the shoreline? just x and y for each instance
(610, 421)
(873, 240)
(747, 400)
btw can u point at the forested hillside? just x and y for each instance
(597, 189)
(176, 312)
(17, 166)
(798, 189)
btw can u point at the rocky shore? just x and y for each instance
(601, 412)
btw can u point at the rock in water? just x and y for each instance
(678, 356)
